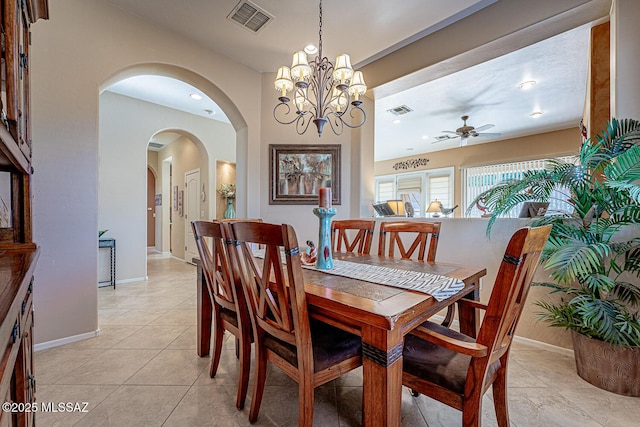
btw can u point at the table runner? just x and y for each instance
(439, 287)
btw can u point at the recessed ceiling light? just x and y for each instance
(210, 112)
(536, 114)
(425, 136)
(195, 96)
(527, 85)
(396, 121)
(310, 49)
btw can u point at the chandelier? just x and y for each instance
(322, 93)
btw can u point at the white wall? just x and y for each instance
(80, 48)
(126, 126)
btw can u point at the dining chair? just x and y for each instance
(421, 232)
(457, 369)
(230, 310)
(341, 230)
(307, 350)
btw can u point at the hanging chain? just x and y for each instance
(320, 33)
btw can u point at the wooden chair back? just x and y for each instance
(510, 289)
(274, 290)
(361, 242)
(210, 240)
(425, 232)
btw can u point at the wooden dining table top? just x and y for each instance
(385, 305)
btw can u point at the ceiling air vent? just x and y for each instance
(155, 145)
(399, 111)
(442, 137)
(250, 16)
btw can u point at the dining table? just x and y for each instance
(380, 314)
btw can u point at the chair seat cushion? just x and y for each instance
(437, 364)
(330, 346)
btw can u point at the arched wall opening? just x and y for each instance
(126, 126)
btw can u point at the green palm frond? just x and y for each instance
(627, 292)
(593, 253)
(576, 259)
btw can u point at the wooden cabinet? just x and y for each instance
(18, 252)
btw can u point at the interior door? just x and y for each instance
(192, 212)
(151, 209)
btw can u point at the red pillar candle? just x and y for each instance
(324, 197)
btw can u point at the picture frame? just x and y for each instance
(297, 172)
(175, 197)
(180, 195)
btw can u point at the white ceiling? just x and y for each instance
(488, 92)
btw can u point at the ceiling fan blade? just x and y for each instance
(449, 131)
(484, 127)
(489, 135)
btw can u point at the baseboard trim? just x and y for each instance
(66, 340)
(135, 279)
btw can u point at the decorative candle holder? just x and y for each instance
(325, 260)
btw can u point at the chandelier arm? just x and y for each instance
(336, 123)
(364, 117)
(302, 124)
(275, 114)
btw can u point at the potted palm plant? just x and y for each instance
(593, 253)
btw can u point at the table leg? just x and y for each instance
(382, 377)
(204, 314)
(469, 317)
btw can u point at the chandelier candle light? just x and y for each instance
(322, 92)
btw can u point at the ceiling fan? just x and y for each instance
(466, 131)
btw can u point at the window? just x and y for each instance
(478, 179)
(418, 188)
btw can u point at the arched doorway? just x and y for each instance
(117, 188)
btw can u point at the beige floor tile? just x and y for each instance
(151, 337)
(170, 367)
(110, 367)
(133, 317)
(176, 317)
(205, 405)
(609, 409)
(136, 406)
(545, 407)
(110, 335)
(91, 394)
(438, 414)
(186, 341)
(58, 363)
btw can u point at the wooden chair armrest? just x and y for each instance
(472, 303)
(469, 348)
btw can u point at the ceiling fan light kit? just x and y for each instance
(322, 92)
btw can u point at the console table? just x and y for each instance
(111, 244)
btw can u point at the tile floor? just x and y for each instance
(143, 371)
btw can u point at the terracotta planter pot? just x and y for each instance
(610, 367)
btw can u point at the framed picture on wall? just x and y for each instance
(175, 197)
(297, 172)
(180, 194)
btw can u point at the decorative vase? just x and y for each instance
(230, 212)
(324, 261)
(614, 368)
